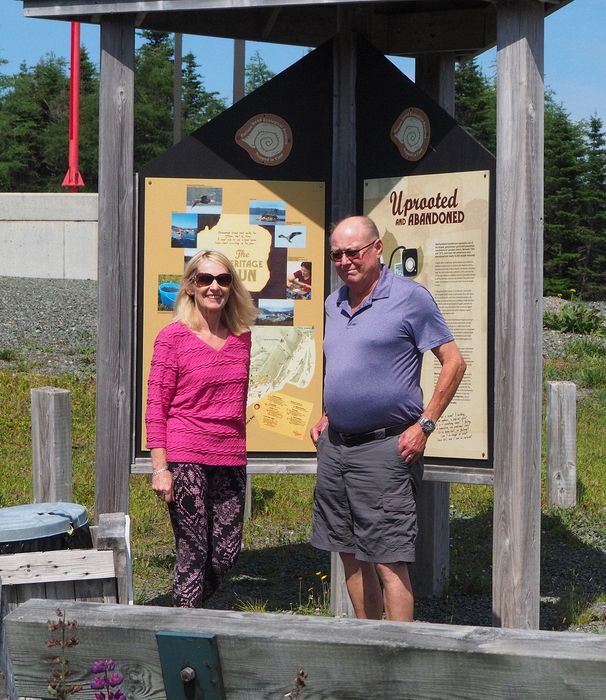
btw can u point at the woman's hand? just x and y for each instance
(162, 484)
(162, 479)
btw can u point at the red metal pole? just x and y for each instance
(73, 179)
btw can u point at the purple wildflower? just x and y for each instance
(115, 679)
(97, 666)
(110, 665)
(97, 683)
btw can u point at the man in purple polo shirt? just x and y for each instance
(372, 435)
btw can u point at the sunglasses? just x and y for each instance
(205, 279)
(336, 255)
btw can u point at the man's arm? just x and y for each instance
(412, 441)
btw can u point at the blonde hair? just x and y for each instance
(239, 313)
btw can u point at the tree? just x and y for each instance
(475, 103)
(34, 119)
(154, 96)
(592, 263)
(256, 73)
(564, 230)
(198, 105)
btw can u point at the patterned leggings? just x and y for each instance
(207, 517)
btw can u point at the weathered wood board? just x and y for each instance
(343, 658)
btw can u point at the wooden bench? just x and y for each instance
(102, 574)
(260, 655)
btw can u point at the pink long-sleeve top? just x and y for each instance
(196, 397)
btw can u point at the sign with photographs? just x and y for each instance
(435, 230)
(273, 233)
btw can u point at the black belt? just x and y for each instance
(352, 439)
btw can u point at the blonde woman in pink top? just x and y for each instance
(196, 422)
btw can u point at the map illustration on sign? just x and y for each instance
(280, 356)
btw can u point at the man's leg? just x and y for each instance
(397, 591)
(363, 587)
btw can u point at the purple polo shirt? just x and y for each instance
(373, 357)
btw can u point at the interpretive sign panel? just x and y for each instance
(273, 233)
(435, 229)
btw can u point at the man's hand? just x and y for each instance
(318, 429)
(411, 443)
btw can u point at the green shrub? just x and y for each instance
(576, 318)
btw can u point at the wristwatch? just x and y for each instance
(427, 424)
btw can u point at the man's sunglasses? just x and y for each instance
(336, 255)
(205, 279)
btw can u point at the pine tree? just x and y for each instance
(198, 105)
(153, 96)
(256, 72)
(475, 103)
(564, 230)
(592, 268)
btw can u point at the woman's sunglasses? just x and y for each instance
(205, 279)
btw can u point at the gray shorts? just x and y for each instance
(364, 501)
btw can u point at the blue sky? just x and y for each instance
(575, 52)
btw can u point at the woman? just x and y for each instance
(195, 419)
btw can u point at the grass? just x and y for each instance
(278, 570)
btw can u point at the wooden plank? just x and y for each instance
(562, 444)
(343, 658)
(60, 565)
(104, 590)
(518, 318)
(51, 444)
(308, 465)
(115, 315)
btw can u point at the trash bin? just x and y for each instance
(44, 527)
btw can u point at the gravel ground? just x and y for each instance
(49, 326)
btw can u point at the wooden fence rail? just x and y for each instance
(260, 654)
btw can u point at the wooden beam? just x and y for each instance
(435, 75)
(343, 203)
(115, 314)
(353, 659)
(518, 314)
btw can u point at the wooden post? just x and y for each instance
(112, 535)
(562, 444)
(116, 267)
(239, 69)
(51, 445)
(7, 686)
(343, 204)
(518, 321)
(248, 498)
(434, 74)
(177, 81)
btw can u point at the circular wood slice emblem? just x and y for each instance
(266, 138)
(410, 132)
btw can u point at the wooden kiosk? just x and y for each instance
(436, 33)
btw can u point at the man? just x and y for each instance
(372, 435)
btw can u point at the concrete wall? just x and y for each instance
(48, 235)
